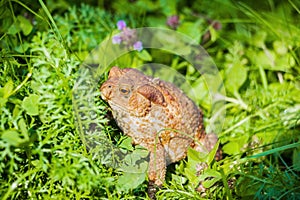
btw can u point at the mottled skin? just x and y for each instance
(157, 115)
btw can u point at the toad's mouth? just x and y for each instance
(117, 108)
(105, 95)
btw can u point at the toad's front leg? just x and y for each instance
(157, 168)
(157, 165)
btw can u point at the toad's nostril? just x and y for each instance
(105, 86)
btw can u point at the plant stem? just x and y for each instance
(263, 77)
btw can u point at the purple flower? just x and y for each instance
(173, 21)
(117, 39)
(121, 24)
(138, 46)
(127, 37)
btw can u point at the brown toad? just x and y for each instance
(156, 115)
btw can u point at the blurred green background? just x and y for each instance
(255, 45)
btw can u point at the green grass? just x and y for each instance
(44, 150)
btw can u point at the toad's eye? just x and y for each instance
(124, 91)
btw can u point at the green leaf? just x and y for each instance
(211, 182)
(191, 29)
(2, 102)
(195, 155)
(22, 48)
(210, 177)
(14, 29)
(126, 143)
(144, 55)
(129, 181)
(25, 25)
(11, 137)
(30, 104)
(212, 153)
(168, 7)
(179, 179)
(194, 159)
(280, 48)
(7, 89)
(231, 148)
(259, 39)
(236, 76)
(213, 34)
(135, 162)
(23, 128)
(191, 173)
(283, 63)
(203, 94)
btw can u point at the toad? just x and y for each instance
(156, 115)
